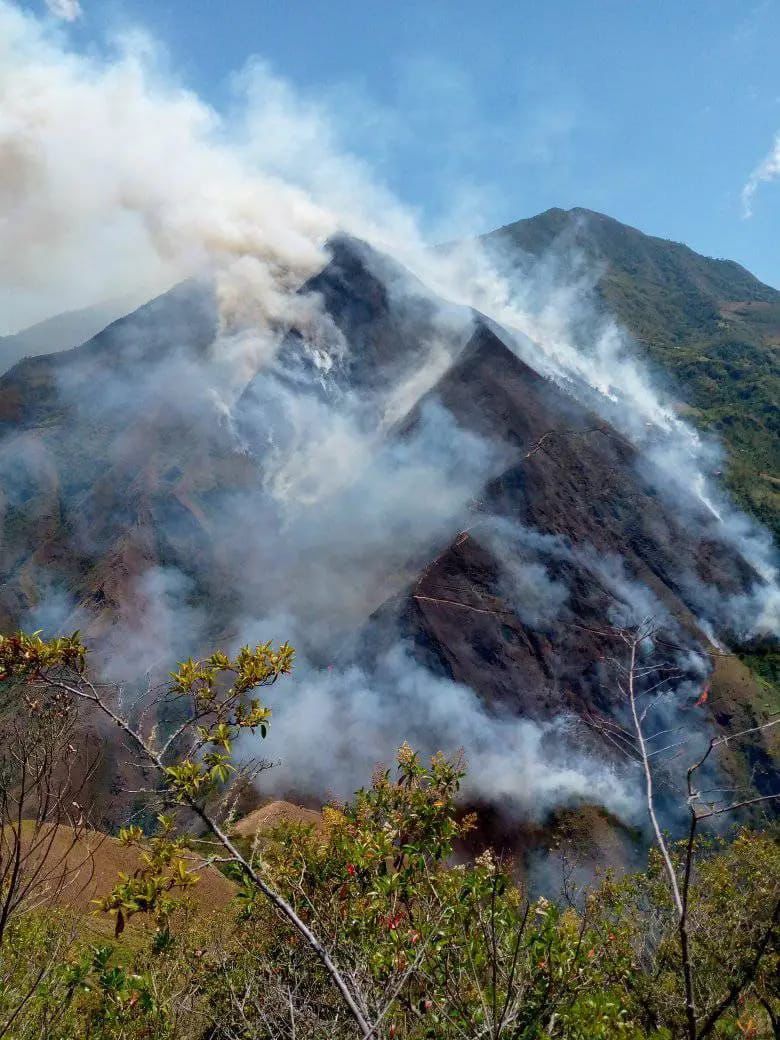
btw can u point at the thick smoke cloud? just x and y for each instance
(356, 716)
(115, 179)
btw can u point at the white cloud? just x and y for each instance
(767, 170)
(67, 10)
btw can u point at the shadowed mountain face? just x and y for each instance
(567, 538)
(401, 474)
(378, 317)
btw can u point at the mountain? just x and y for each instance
(97, 445)
(60, 332)
(711, 329)
(397, 476)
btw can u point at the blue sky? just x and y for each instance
(477, 114)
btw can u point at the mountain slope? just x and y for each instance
(61, 332)
(708, 325)
(97, 446)
(569, 538)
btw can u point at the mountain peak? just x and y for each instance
(709, 328)
(603, 237)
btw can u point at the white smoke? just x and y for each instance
(766, 171)
(549, 305)
(352, 521)
(114, 179)
(535, 596)
(356, 716)
(555, 328)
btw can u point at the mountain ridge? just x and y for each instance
(708, 327)
(558, 219)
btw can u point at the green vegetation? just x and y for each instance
(372, 923)
(764, 663)
(710, 329)
(463, 950)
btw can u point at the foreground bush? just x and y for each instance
(442, 949)
(372, 903)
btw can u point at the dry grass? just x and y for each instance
(273, 813)
(91, 865)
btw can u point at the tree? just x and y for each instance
(190, 764)
(643, 678)
(43, 818)
(373, 903)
